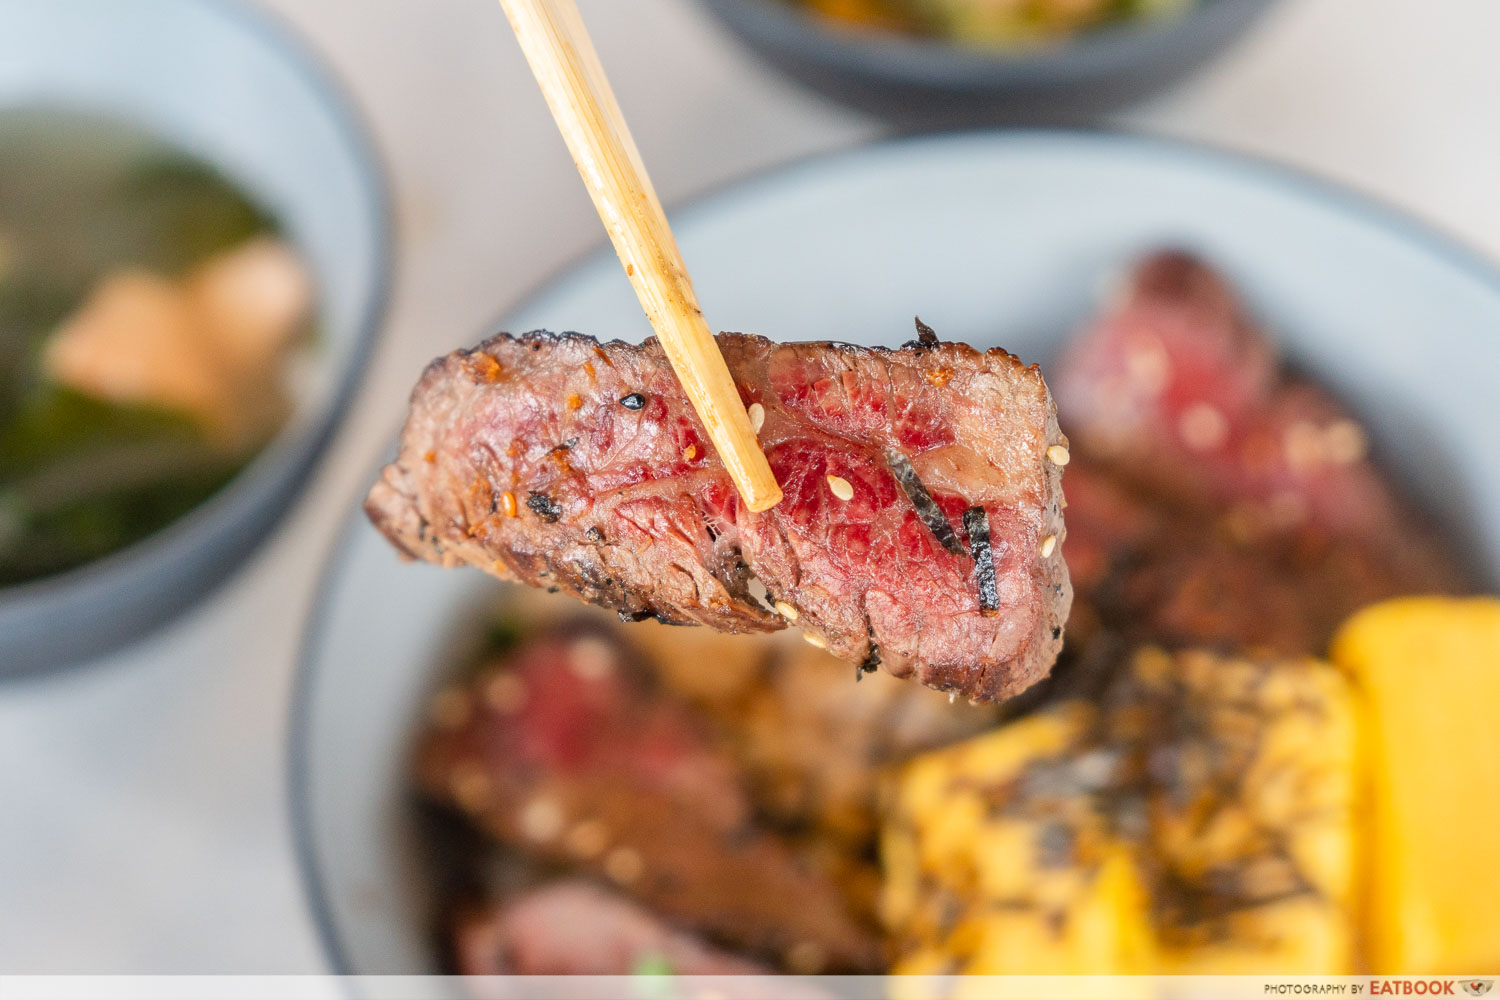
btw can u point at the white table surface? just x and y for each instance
(143, 821)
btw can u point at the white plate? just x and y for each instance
(996, 239)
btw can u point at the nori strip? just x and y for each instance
(977, 524)
(926, 337)
(927, 508)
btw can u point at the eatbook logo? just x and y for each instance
(1478, 987)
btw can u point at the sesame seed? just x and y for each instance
(508, 503)
(1146, 361)
(469, 785)
(588, 839)
(1303, 444)
(505, 693)
(786, 611)
(1345, 442)
(757, 414)
(542, 819)
(807, 958)
(450, 709)
(624, 865)
(1059, 455)
(813, 639)
(1202, 427)
(1049, 545)
(689, 453)
(592, 659)
(952, 697)
(840, 487)
(633, 401)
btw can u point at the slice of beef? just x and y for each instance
(565, 463)
(564, 751)
(809, 734)
(1155, 570)
(574, 927)
(1176, 391)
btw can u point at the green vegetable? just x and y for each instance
(657, 974)
(80, 479)
(178, 212)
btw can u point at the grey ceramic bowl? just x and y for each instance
(226, 85)
(997, 239)
(925, 83)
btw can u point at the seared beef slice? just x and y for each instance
(1176, 390)
(564, 463)
(565, 751)
(574, 927)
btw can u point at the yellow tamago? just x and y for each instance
(975, 887)
(1429, 672)
(1200, 821)
(1249, 788)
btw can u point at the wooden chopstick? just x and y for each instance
(567, 68)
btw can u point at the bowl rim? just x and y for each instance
(1453, 250)
(295, 444)
(938, 64)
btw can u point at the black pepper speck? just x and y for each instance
(543, 506)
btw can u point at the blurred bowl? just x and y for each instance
(225, 85)
(927, 83)
(997, 239)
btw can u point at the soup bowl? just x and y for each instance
(220, 83)
(926, 83)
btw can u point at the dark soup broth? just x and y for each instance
(149, 311)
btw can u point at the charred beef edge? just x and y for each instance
(535, 338)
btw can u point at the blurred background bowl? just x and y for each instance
(222, 84)
(997, 239)
(929, 83)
